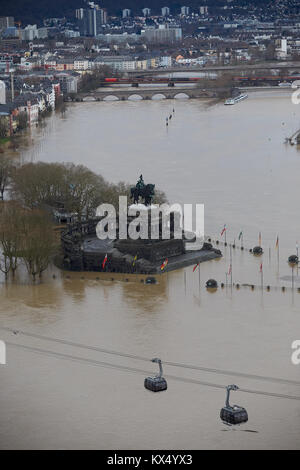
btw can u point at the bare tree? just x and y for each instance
(22, 120)
(39, 183)
(6, 167)
(10, 236)
(3, 128)
(38, 242)
(82, 190)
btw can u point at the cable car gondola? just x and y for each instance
(157, 383)
(235, 414)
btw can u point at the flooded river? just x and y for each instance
(235, 161)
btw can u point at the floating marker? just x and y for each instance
(211, 284)
(257, 250)
(293, 259)
(157, 383)
(150, 280)
(235, 414)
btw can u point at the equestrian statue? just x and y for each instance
(142, 190)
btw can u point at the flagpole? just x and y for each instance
(242, 240)
(199, 276)
(262, 278)
(231, 265)
(293, 278)
(297, 253)
(226, 279)
(184, 283)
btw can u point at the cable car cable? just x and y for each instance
(142, 371)
(145, 359)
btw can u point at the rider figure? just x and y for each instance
(140, 184)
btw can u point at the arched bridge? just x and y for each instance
(145, 94)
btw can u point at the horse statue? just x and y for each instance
(142, 190)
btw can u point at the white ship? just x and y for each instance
(236, 99)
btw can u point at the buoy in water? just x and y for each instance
(257, 250)
(150, 280)
(211, 284)
(293, 259)
(157, 383)
(235, 414)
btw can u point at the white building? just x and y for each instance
(165, 61)
(2, 93)
(162, 34)
(146, 11)
(81, 64)
(122, 63)
(282, 51)
(185, 11)
(165, 11)
(69, 33)
(203, 10)
(29, 33)
(126, 13)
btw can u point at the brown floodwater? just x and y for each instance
(235, 161)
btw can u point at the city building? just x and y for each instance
(122, 63)
(81, 63)
(119, 38)
(68, 83)
(162, 34)
(185, 11)
(203, 10)
(146, 11)
(2, 93)
(165, 11)
(29, 32)
(91, 20)
(126, 13)
(7, 22)
(79, 13)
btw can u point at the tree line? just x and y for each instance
(29, 196)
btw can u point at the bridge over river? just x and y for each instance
(145, 94)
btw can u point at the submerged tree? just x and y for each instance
(10, 236)
(39, 183)
(73, 188)
(6, 168)
(38, 242)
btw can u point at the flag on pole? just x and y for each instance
(261, 268)
(104, 261)
(223, 231)
(164, 264)
(134, 260)
(277, 243)
(259, 239)
(240, 235)
(229, 270)
(195, 267)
